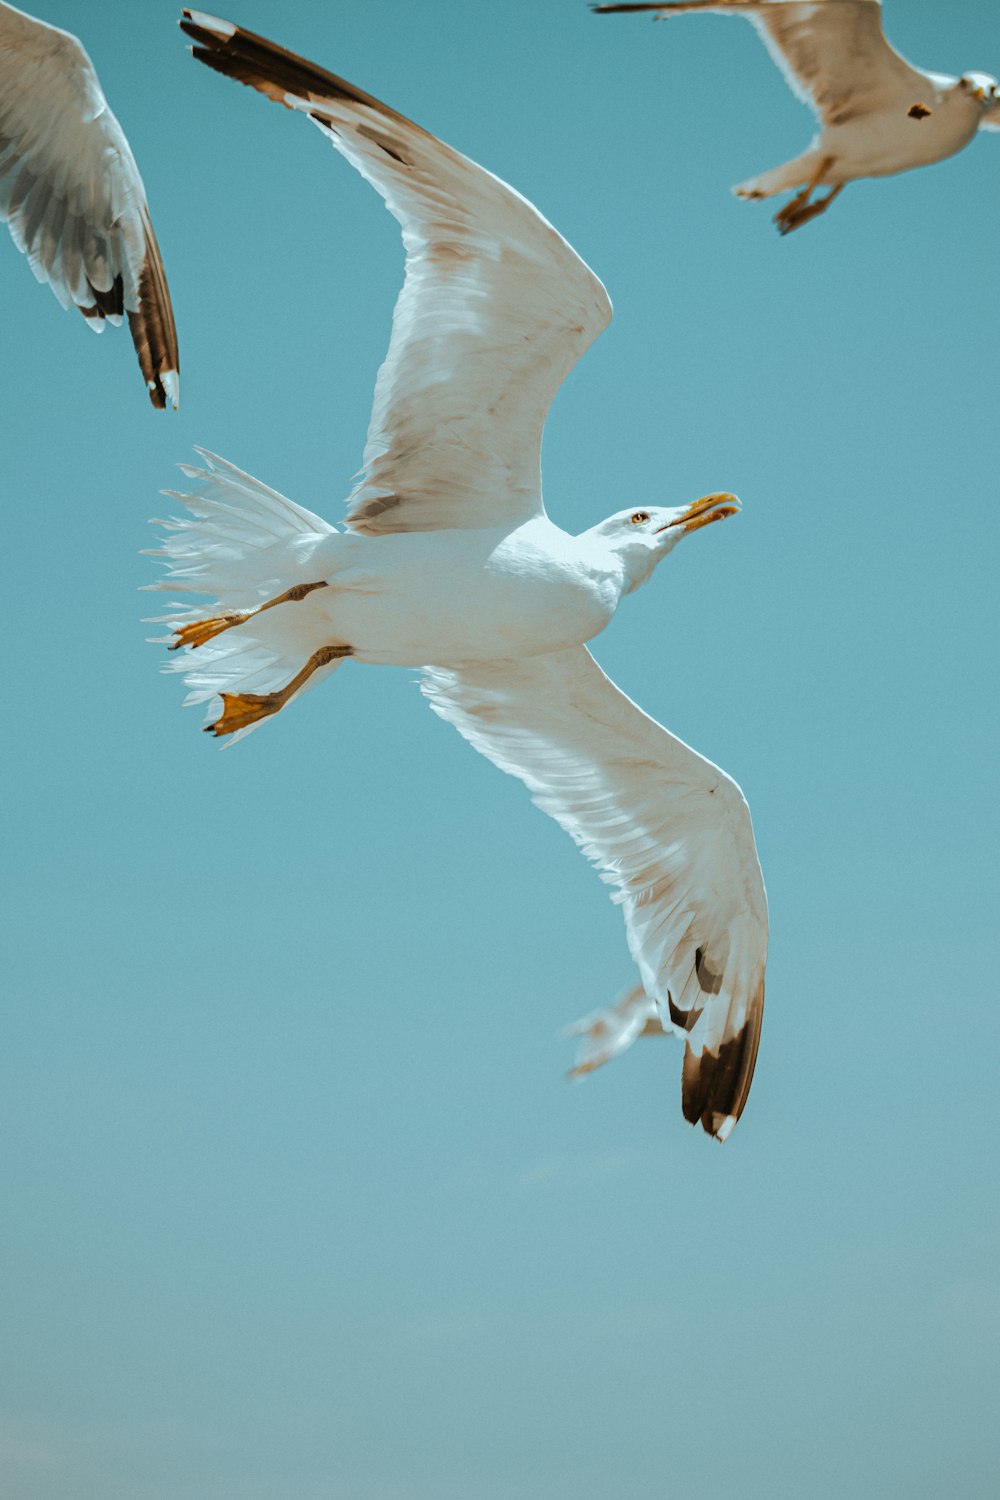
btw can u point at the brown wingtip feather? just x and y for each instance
(678, 6)
(152, 327)
(715, 1085)
(273, 70)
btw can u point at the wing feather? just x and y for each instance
(72, 196)
(666, 828)
(495, 310)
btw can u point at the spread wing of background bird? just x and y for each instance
(833, 53)
(72, 196)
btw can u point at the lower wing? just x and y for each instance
(664, 826)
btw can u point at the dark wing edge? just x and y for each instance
(273, 70)
(677, 6)
(152, 327)
(715, 1086)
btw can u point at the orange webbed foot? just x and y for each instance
(196, 632)
(240, 710)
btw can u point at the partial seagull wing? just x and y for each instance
(833, 53)
(667, 828)
(72, 195)
(991, 119)
(495, 311)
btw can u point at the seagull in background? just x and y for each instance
(450, 563)
(878, 114)
(72, 196)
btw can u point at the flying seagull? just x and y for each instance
(72, 195)
(878, 115)
(450, 563)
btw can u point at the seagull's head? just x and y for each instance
(981, 86)
(640, 538)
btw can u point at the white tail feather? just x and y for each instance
(243, 543)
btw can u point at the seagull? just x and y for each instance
(878, 115)
(72, 195)
(449, 563)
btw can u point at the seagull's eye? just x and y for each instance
(639, 516)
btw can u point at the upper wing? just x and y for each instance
(71, 192)
(495, 311)
(833, 53)
(666, 827)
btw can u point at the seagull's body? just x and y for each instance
(878, 115)
(409, 598)
(72, 196)
(449, 563)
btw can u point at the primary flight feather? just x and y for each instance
(450, 563)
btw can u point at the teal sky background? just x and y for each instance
(296, 1201)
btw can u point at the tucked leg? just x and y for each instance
(197, 632)
(239, 710)
(797, 210)
(809, 211)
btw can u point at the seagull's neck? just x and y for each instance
(625, 566)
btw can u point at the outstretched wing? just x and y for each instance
(833, 53)
(667, 828)
(495, 311)
(72, 195)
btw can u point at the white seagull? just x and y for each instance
(450, 563)
(72, 195)
(878, 114)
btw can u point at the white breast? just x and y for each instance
(412, 598)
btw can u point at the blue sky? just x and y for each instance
(296, 1200)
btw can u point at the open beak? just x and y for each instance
(704, 511)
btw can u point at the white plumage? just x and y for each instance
(72, 196)
(668, 831)
(450, 563)
(878, 114)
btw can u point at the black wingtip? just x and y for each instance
(273, 70)
(715, 1085)
(154, 333)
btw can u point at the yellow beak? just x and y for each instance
(706, 510)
